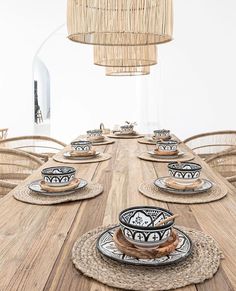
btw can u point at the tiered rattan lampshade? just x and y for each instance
(125, 56)
(120, 22)
(127, 71)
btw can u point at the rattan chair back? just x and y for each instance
(15, 166)
(42, 147)
(209, 143)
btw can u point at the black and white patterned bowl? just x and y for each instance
(58, 176)
(161, 134)
(94, 133)
(185, 173)
(127, 129)
(167, 146)
(81, 145)
(138, 225)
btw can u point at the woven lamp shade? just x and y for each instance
(125, 56)
(127, 71)
(120, 22)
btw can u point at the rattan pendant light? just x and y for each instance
(127, 71)
(120, 22)
(125, 56)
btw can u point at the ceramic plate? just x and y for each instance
(107, 247)
(123, 133)
(150, 139)
(35, 186)
(160, 183)
(155, 140)
(68, 156)
(126, 134)
(99, 141)
(154, 155)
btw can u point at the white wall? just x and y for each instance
(199, 68)
(23, 27)
(191, 90)
(83, 97)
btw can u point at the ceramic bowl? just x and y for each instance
(167, 146)
(81, 145)
(58, 176)
(137, 225)
(184, 173)
(127, 129)
(161, 134)
(94, 133)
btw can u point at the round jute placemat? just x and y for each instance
(150, 190)
(106, 142)
(28, 196)
(125, 136)
(202, 264)
(102, 157)
(186, 157)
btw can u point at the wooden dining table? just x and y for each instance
(36, 240)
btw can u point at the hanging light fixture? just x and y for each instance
(120, 22)
(127, 71)
(125, 56)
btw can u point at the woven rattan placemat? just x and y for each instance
(186, 157)
(125, 136)
(28, 196)
(150, 190)
(102, 157)
(202, 264)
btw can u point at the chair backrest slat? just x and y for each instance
(15, 166)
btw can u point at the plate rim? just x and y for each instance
(105, 140)
(126, 134)
(142, 263)
(66, 192)
(149, 138)
(187, 192)
(180, 154)
(81, 158)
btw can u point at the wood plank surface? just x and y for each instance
(36, 241)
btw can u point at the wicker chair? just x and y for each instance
(207, 144)
(42, 147)
(3, 133)
(225, 164)
(15, 166)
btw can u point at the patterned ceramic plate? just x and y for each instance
(35, 186)
(149, 138)
(151, 141)
(107, 247)
(154, 155)
(134, 133)
(100, 141)
(205, 186)
(69, 156)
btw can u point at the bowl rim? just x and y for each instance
(199, 167)
(169, 224)
(161, 131)
(81, 142)
(71, 171)
(127, 126)
(166, 142)
(94, 130)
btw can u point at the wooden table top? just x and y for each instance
(36, 241)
